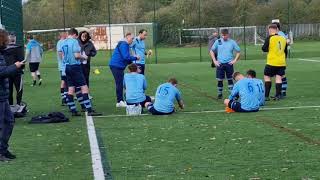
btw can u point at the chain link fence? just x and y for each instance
(179, 29)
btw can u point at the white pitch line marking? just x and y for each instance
(310, 60)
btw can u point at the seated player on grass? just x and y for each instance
(244, 89)
(135, 85)
(258, 85)
(166, 95)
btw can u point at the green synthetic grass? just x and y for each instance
(182, 146)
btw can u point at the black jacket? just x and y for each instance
(88, 48)
(13, 53)
(5, 72)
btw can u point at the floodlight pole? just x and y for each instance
(155, 32)
(199, 3)
(63, 13)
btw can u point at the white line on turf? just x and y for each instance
(310, 60)
(219, 111)
(95, 151)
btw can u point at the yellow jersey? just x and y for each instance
(276, 46)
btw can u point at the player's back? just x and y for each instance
(135, 85)
(69, 47)
(259, 90)
(165, 98)
(277, 51)
(248, 94)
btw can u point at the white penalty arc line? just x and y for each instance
(310, 60)
(218, 111)
(97, 166)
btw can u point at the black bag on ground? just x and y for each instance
(54, 117)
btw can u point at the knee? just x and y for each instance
(226, 102)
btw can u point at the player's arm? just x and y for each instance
(125, 51)
(144, 84)
(234, 93)
(265, 47)
(286, 50)
(179, 99)
(213, 55)
(76, 49)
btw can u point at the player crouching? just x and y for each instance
(247, 92)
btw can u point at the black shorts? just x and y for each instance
(63, 77)
(225, 70)
(34, 67)
(75, 77)
(148, 99)
(236, 106)
(272, 71)
(153, 111)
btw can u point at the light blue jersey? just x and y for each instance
(281, 33)
(247, 92)
(135, 85)
(139, 48)
(60, 61)
(165, 98)
(259, 90)
(70, 46)
(225, 49)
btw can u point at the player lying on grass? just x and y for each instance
(276, 47)
(258, 83)
(225, 47)
(165, 98)
(247, 92)
(135, 85)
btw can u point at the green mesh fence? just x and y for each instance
(11, 17)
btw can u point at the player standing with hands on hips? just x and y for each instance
(226, 59)
(6, 116)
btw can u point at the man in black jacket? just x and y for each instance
(6, 116)
(14, 53)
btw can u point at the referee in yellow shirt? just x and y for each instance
(276, 46)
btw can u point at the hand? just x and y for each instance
(138, 58)
(181, 106)
(233, 62)
(84, 56)
(19, 64)
(217, 63)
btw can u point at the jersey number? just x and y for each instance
(260, 88)
(163, 91)
(280, 46)
(250, 87)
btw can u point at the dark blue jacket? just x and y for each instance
(5, 72)
(121, 56)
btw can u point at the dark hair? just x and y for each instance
(252, 73)
(235, 75)
(173, 81)
(73, 31)
(29, 36)
(142, 30)
(133, 67)
(84, 32)
(224, 31)
(4, 38)
(277, 24)
(273, 26)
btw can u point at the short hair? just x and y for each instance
(4, 37)
(277, 24)
(173, 81)
(224, 31)
(235, 74)
(273, 26)
(73, 31)
(252, 73)
(128, 34)
(133, 67)
(29, 36)
(142, 30)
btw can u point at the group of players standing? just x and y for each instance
(249, 93)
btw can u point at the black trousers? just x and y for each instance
(86, 71)
(17, 82)
(6, 125)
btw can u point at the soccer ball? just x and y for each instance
(96, 71)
